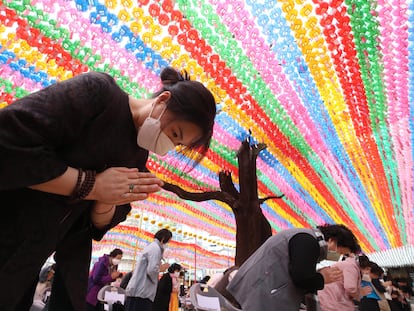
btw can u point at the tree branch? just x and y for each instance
(227, 185)
(257, 148)
(270, 197)
(200, 196)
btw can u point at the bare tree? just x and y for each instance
(252, 227)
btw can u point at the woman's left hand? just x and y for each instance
(120, 185)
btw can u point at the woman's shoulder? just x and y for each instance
(103, 260)
(94, 80)
(151, 247)
(86, 85)
(348, 263)
(97, 75)
(166, 276)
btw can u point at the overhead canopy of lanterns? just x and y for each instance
(326, 85)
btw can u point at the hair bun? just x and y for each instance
(170, 76)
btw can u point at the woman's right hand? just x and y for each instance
(120, 185)
(115, 274)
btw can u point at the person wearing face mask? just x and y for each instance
(369, 298)
(373, 299)
(341, 294)
(333, 255)
(73, 156)
(142, 287)
(166, 298)
(104, 271)
(174, 300)
(282, 270)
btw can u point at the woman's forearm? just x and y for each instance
(115, 185)
(71, 183)
(101, 213)
(63, 184)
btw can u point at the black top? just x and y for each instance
(303, 255)
(162, 297)
(84, 122)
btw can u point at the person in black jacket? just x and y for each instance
(165, 288)
(72, 158)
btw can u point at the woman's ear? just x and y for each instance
(163, 97)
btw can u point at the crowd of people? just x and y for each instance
(283, 271)
(380, 293)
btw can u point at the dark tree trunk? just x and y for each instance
(252, 227)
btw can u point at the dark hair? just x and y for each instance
(190, 101)
(376, 269)
(163, 235)
(115, 253)
(406, 289)
(205, 279)
(363, 261)
(174, 267)
(341, 235)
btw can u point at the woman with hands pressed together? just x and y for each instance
(72, 158)
(104, 271)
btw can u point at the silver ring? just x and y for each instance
(131, 187)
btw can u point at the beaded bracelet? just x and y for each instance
(78, 184)
(83, 188)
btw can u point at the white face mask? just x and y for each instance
(333, 255)
(116, 261)
(152, 138)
